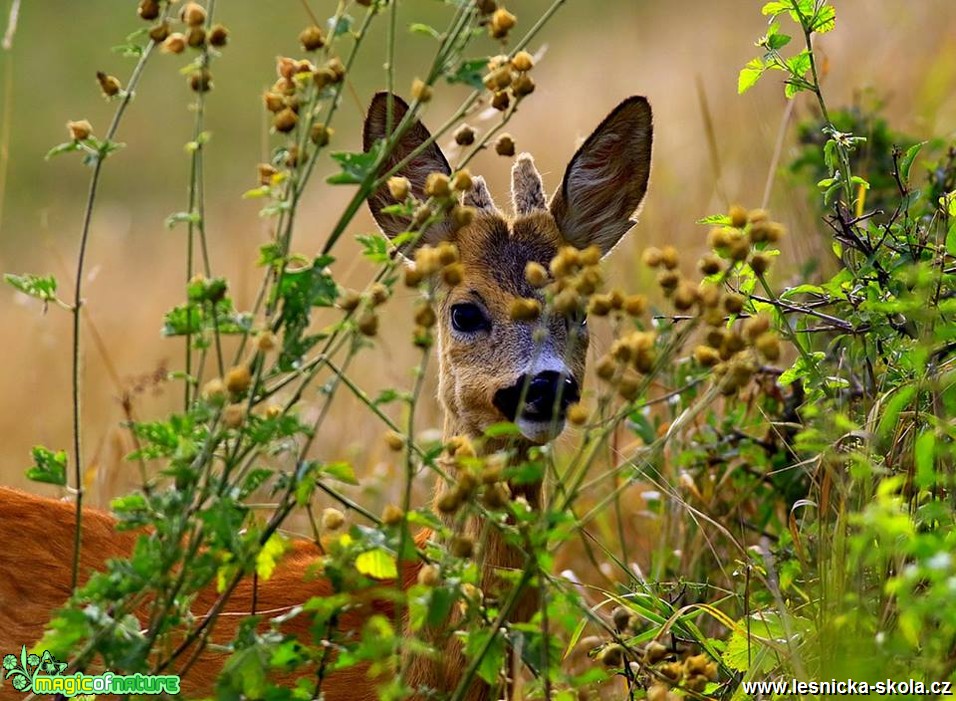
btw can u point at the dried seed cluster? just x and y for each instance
(475, 478)
(509, 78)
(189, 29)
(286, 98)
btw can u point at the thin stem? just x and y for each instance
(127, 96)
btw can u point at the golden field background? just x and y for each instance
(596, 54)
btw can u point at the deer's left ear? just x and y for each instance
(429, 160)
(606, 180)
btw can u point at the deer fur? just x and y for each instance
(596, 203)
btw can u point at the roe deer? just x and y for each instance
(491, 368)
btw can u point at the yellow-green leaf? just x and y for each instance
(377, 564)
(269, 555)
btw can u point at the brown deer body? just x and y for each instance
(491, 369)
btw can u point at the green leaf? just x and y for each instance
(42, 287)
(356, 167)
(48, 467)
(825, 20)
(377, 564)
(426, 29)
(504, 428)
(374, 247)
(925, 450)
(750, 74)
(65, 147)
(341, 472)
(907, 162)
(181, 217)
(800, 369)
(269, 555)
(715, 220)
(775, 8)
(470, 73)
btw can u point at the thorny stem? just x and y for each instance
(127, 96)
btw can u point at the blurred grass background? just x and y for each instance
(683, 55)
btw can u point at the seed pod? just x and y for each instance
(654, 652)
(421, 91)
(535, 274)
(332, 519)
(392, 515)
(523, 86)
(658, 692)
(669, 257)
(193, 14)
(429, 576)
(159, 32)
(349, 301)
(567, 302)
(577, 414)
(437, 185)
(652, 257)
(486, 7)
(505, 145)
(80, 130)
(738, 216)
(447, 253)
(500, 101)
(634, 305)
(273, 101)
(522, 62)
(760, 263)
(757, 215)
(110, 85)
(266, 341)
(621, 617)
(200, 81)
(629, 385)
(285, 120)
(453, 274)
(233, 415)
(464, 135)
(425, 315)
(321, 135)
(218, 36)
(525, 309)
(600, 305)
(706, 356)
(668, 280)
(755, 325)
(708, 296)
(378, 294)
(214, 391)
(768, 346)
(497, 79)
(449, 502)
(462, 181)
(733, 303)
(266, 172)
(238, 379)
(462, 546)
(311, 38)
(273, 411)
(335, 65)
(413, 277)
(368, 323)
(148, 9)
(709, 264)
(501, 23)
(685, 296)
(462, 215)
(173, 44)
(606, 368)
(612, 655)
(196, 37)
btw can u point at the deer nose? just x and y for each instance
(547, 396)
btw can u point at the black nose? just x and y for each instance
(546, 396)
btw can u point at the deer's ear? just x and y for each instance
(606, 180)
(430, 160)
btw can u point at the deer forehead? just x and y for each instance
(495, 251)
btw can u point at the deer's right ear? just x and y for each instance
(430, 160)
(606, 180)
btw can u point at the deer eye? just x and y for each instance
(469, 318)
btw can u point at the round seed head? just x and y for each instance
(332, 519)
(523, 86)
(525, 309)
(522, 62)
(159, 32)
(321, 134)
(706, 356)
(421, 91)
(429, 576)
(462, 546)
(238, 379)
(378, 294)
(669, 257)
(392, 515)
(266, 341)
(768, 345)
(266, 172)
(709, 264)
(110, 85)
(368, 323)
(462, 215)
(577, 414)
(501, 23)
(738, 216)
(500, 101)
(214, 391)
(453, 274)
(505, 145)
(612, 655)
(464, 135)
(462, 181)
(218, 36)
(80, 130)
(173, 44)
(193, 14)
(311, 38)
(733, 303)
(148, 9)
(600, 305)
(652, 257)
(285, 120)
(413, 276)
(233, 415)
(425, 314)
(685, 296)
(196, 37)
(437, 185)
(535, 274)
(755, 325)
(350, 300)
(634, 305)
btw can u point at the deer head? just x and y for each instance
(491, 367)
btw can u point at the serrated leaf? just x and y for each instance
(377, 564)
(750, 74)
(470, 73)
(800, 368)
(715, 220)
(356, 167)
(825, 20)
(48, 467)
